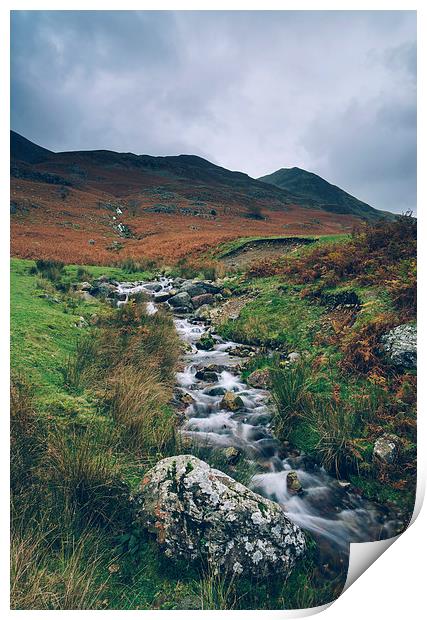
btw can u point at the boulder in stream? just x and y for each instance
(207, 375)
(200, 513)
(181, 300)
(293, 484)
(231, 401)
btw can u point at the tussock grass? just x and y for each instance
(75, 581)
(139, 408)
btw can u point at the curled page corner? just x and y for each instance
(363, 555)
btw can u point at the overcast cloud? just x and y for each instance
(330, 92)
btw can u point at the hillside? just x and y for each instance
(318, 192)
(104, 207)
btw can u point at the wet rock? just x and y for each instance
(400, 346)
(218, 368)
(293, 484)
(206, 343)
(207, 375)
(101, 288)
(260, 379)
(193, 290)
(215, 391)
(154, 287)
(232, 455)
(231, 401)
(203, 300)
(162, 297)
(344, 484)
(294, 357)
(197, 512)
(386, 449)
(181, 300)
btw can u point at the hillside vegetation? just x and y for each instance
(104, 207)
(90, 413)
(332, 303)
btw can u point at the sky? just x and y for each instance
(333, 92)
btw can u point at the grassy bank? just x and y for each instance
(90, 414)
(331, 303)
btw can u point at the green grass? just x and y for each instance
(74, 462)
(228, 247)
(277, 317)
(43, 332)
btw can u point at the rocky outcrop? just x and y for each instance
(400, 346)
(197, 513)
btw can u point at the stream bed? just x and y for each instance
(330, 510)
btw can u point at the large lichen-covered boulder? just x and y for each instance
(198, 512)
(400, 345)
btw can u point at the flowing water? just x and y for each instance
(334, 514)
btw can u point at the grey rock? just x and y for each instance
(203, 300)
(386, 449)
(85, 296)
(162, 297)
(154, 287)
(81, 322)
(400, 346)
(83, 286)
(194, 290)
(206, 375)
(294, 357)
(199, 513)
(259, 379)
(181, 300)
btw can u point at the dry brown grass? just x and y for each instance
(139, 408)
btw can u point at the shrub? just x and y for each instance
(51, 269)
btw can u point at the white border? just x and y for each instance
(394, 587)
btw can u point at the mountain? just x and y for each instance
(25, 150)
(103, 206)
(317, 192)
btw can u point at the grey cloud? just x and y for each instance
(332, 92)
